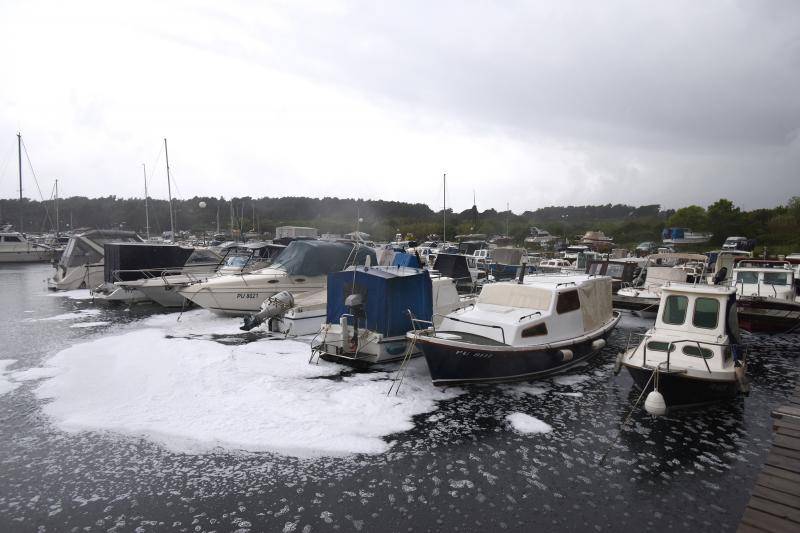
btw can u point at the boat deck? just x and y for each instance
(775, 499)
(471, 338)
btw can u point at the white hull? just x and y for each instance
(164, 295)
(240, 299)
(80, 277)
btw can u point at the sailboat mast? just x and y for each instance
(508, 210)
(444, 208)
(19, 165)
(169, 192)
(146, 209)
(56, 207)
(217, 218)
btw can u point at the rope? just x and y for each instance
(36, 181)
(627, 418)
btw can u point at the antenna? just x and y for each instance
(444, 208)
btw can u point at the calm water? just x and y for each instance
(460, 468)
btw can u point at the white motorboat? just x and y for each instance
(521, 331)
(302, 267)
(766, 295)
(16, 248)
(644, 293)
(82, 263)
(164, 289)
(683, 236)
(693, 354)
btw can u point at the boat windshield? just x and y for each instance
(79, 253)
(776, 278)
(237, 260)
(747, 277)
(316, 258)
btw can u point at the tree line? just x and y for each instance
(627, 224)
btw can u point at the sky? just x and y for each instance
(526, 104)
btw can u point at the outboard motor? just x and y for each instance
(720, 276)
(355, 303)
(272, 307)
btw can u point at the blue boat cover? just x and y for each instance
(402, 259)
(388, 292)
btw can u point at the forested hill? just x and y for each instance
(383, 219)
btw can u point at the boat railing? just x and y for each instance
(449, 317)
(672, 346)
(148, 273)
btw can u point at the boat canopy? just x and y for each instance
(516, 295)
(388, 294)
(453, 266)
(509, 256)
(317, 258)
(126, 261)
(675, 257)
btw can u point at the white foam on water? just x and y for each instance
(76, 315)
(520, 389)
(193, 395)
(570, 380)
(527, 424)
(89, 324)
(77, 294)
(34, 373)
(5, 384)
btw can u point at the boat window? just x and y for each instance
(694, 351)
(659, 346)
(776, 278)
(82, 254)
(747, 277)
(706, 311)
(535, 331)
(12, 238)
(236, 261)
(675, 309)
(615, 270)
(567, 301)
(596, 269)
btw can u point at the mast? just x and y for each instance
(169, 192)
(217, 218)
(146, 210)
(56, 207)
(19, 164)
(444, 208)
(508, 210)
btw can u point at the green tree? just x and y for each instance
(724, 220)
(693, 216)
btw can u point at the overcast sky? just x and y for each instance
(532, 103)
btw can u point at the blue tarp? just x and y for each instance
(388, 292)
(406, 260)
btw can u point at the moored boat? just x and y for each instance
(521, 331)
(693, 355)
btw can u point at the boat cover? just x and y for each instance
(595, 297)
(317, 258)
(452, 266)
(388, 294)
(132, 256)
(508, 256)
(516, 295)
(405, 260)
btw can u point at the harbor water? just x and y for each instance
(135, 419)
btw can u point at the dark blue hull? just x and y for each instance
(461, 364)
(682, 391)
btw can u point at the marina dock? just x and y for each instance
(775, 499)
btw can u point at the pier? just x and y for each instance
(775, 499)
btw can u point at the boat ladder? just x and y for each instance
(400, 375)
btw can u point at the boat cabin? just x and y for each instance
(540, 310)
(768, 279)
(695, 326)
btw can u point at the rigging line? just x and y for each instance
(154, 167)
(36, 181)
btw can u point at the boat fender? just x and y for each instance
(598, 344)
(566, 355)
(618, 363)
(655, 404)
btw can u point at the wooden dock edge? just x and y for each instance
(775, 499)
